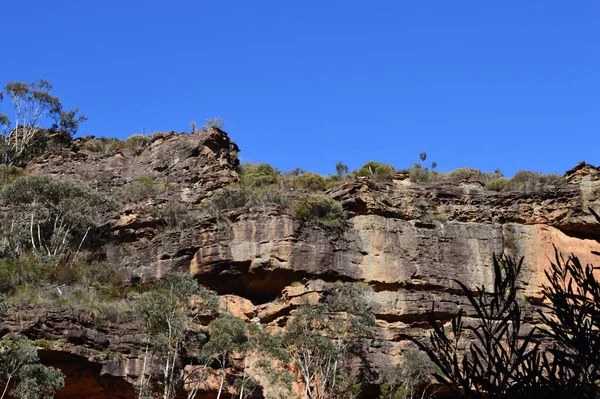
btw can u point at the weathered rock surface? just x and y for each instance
(407, 242)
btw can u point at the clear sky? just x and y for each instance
(509, 84)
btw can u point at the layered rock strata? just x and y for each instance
(407, 242)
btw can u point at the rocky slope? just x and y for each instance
(408, 242)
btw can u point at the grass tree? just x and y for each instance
(572, 321)
(502, 360)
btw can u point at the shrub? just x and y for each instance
(58, 213)
(23, 270)
(319, 208)
(137, 141)
(20, 370)
(268, 195)
(214, 122)
(376, 170)
(10, 172)
(461, 174)
(412, 379)
(311, 182)
(114, 144)
(257, 175)
(175, 214)
(499, 184)
(231, 197)
(234, 197)
(143, 187)
(524, 176)
(94, 145)
(418, 174)
(522, 180)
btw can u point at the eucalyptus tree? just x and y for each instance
(19, 362)
(33, 105)
(55, 214)
(163, 313)
(319, 338)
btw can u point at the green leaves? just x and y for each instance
(55, 212)
(38, 382)
(227, 334)
(376, 170)
(258, 175)
(33, 105)
(3, 306)
(319, 336)
(319, 208)
(19, 360)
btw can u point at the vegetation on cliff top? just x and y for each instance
(50, 229)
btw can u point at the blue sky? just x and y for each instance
(510, 84)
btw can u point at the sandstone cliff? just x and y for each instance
(407, 242)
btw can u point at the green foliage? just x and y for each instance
(176, 215)
(10, 172)
(498, 184)
(33, 102)
(214, 122)
(227, 334)
(43, 343)
(231, 197)
(341, 169)
(142, 188)
(19, 362)
(311, 182)
(160, 309)
(257, 175)
(411, 379)
(349, 298)
(94, 145)
(3, 306)
(100, 145)
(462, 174)
(261, 196)
(523, 180)
(376, 170)
(16, 271)
(57, 213)
(234, 197)
(68, 121)
(137, 141)
(163, 314)
(319, 208)
(418, 174)
(319, 337)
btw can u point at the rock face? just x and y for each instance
(407, 242)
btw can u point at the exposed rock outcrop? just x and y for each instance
(407, 242)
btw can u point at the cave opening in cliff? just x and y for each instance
(84, 379)
(258, 286)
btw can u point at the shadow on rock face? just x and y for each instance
(83, 378)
